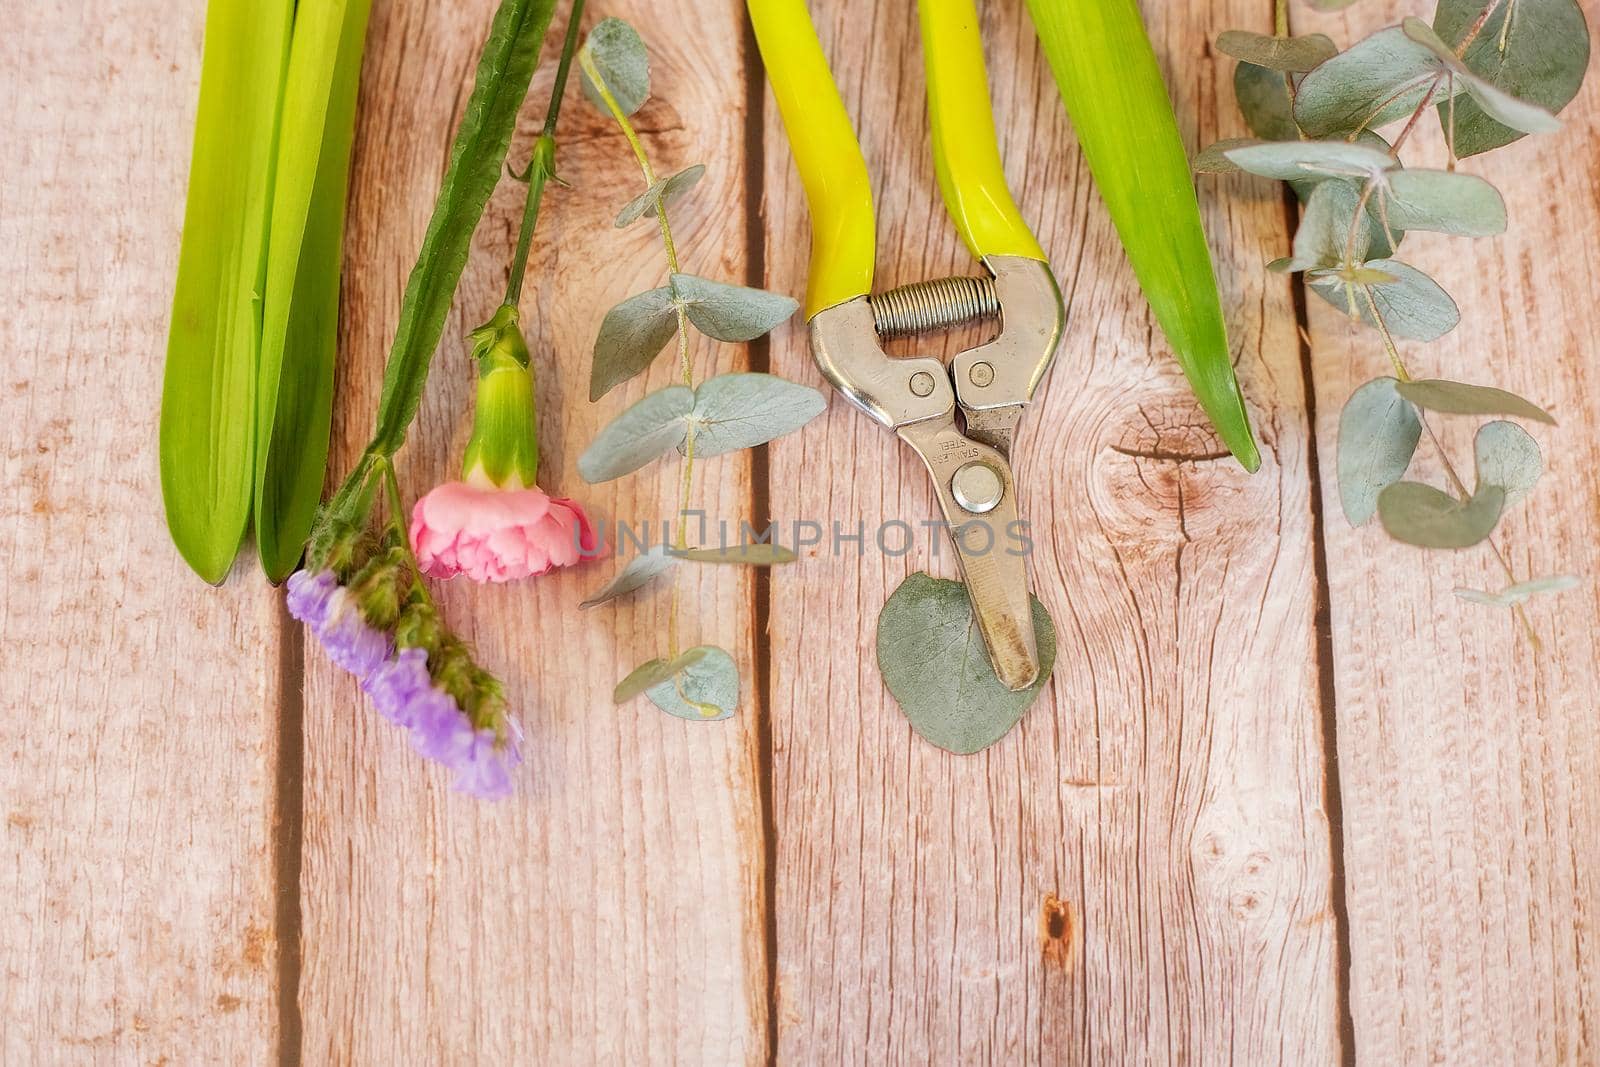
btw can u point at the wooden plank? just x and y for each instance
(1140, 872)
(612, 911)
(1472, 810)
(140, 731)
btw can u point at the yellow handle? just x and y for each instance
(825, 152)
(965, 151)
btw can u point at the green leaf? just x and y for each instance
(750, 555)
(1429, 518)
(1378, 80)
(208, 396)
(1378, 435)
(642, 569)
(1512, 595)
(1459, 398)
(655, 672)
(934, 662)
(631, 336)
(1285, 160)
(300, 316)
(619, 55)
(1213, 158)
(1330, 5)
(1322, 238)
(667, 191)
(1540, 57)
(648, 430)
(1443, 202)
(734, 411)
(1498, 104)
(704, 691)
(505, 68)
(1413, 305)
(1263, 97)
(1508, 458)
(1295, 54)
(731, 312)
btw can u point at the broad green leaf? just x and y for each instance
(1539, 57)
(1444, 202)
(934, 662)
(1378, 80)
(1294, 54)
(705, 690)
(1496, 103)
(619, 55)
(1378, 434)
(751, 555)
(1111, 84)
(631, 336)
(1459, 398)
(734, 411)
(1285, 160)
(1512, 595)
(1263, 97)
(666, 191)
(1322, 239)
(1213, 158)
(300, 314)
(642, 569)
(208, 396)
(1412, 306)
(648, 430)
(731, 312)
(654, 672)
(1430, 518)
(1508, 458)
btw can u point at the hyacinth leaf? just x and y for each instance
(208, 398)
(1412, 304)
(654, 672)
(1286, 54)
(1263, 97)
(646, 431)
(1111, 83)
(631, 336)
(734, 411)
(1508, 458)
(1378, 80)
(300, 316)
(1539, 55)
(1459, 398)
(1421, 515)
(1499, 105)
(1285, 160)
(1444, 202)
(505, 68)
(705, 690)
(750, 555)
(667, 191)
(1378, 435)
(1512, 595)
(641, 570)
(732, 313)
(934, 662)
(614, 49)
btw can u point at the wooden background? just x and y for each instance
(1285, 800)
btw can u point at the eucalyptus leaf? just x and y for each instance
(934, 662)
(639, 571)
(751, 555)
(1412, 306)
(1263, 97)
(1322, 239)
(631, 336)
(648, 430)
(667, 191)
(1213, 158)
(1285, 160)
(731, 312)
(1512, 595)
(734, 411)
(1378, 434)
(1421, 515)
(653, 673)
(619, 56)
(1539, 57)
(1459, 398)
(1508, 458)
(1329, 5)
(706, 690)
(1293, 54)
(1378, 80)
(1444, 202)
(1499, 105)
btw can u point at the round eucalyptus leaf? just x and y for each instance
(734, 411)
(642, 569)
(1263, 97)
(1421, 515)
(733, 313)
(1329, 5)
(1213, 158)
(653, 673)
(1495, 102)
(1292, 54)
(934, 662)
(750, 555)
(1286, 160)
(648, 430)
(624, 65)
(705, 690)
(631, 336)
(1412, 306)
(667, 191)
(1508, 458)
(1459, 398)
(1322, 239)
(1512, 595)
(1378, 80)
(1378, 434)
(1444, 201)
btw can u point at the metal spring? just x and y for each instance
(933, 305)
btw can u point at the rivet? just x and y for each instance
(977, 487)
(982, 374)
(922, 383)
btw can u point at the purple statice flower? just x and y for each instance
(396, 686)
(349, 640)
(309, 594)
(483, 770)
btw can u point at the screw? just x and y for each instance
(982, 374)
(977, 487)
(922, 383)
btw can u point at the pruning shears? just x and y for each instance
(918, 398)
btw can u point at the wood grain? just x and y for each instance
(612, 911)
(140, 731)
(1467, 760)
(1140, 872)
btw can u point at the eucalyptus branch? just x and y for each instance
(1477, 27)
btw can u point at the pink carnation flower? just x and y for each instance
(498, 535)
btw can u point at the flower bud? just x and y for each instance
(504, 449)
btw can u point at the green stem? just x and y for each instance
(1280, 20)
(1477, 27)
(397, 524)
